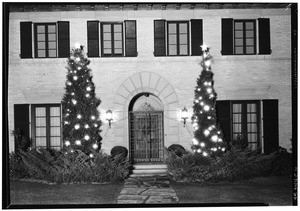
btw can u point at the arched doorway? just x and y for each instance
(146, 133)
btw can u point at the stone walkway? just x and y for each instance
(147, 190)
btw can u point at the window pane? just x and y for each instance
(106, 28)
(249, 50)
(249, 41)
(249, 25)
(238, 50)
(249, 33)
(239, 34)
(172, 39)
(117, 36)
(40, 121)
(183, 39)
(239, 42)
(52, 53)
(182, 28)
(107, 44)
(237, 128)
(172, 28)
(40, 131)
(40, 29)
(40, 111)
(172, 50)
(55, 121)
(251, 107)
(237, 108)
(54, 142)
(52, 45)
(40, 141)
(117, 28)
(251, 128)
(51, 29)
(252, 146)
(41, 37)
(54, 131)
(54, 111)
(239, 25)
(183, 49)
(118, 51)
(41, 53)
(106, 36)
(52, 37)
(251, 118)
(107, 51)
(41, 45)
(237, 118)
(118, 44)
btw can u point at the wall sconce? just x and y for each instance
(109, 118)
(184, 115)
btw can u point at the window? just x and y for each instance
(244, 37)
(51, 40)
(245, 123)
(45, 40)
(46, 128)
(112, 39)
(239, 37)
(172, 38)
(178, 34)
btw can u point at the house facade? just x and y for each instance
(145, 62)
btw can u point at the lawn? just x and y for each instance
(273, 191)
(32, 193)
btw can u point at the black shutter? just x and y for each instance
(130, 38)
(264, 36)
(93, 38)
(63, 39)
(270, 128)
(197, 36)
(26, 39)
(227, 36)
(223, 110)
(159, 38)
(21, 118)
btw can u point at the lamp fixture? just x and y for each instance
(109, 118)
(184, 115)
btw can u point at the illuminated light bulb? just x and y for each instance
(77, 59)
(88, 89)
(77, 126)
(87, 95)
(195, 124)
(205, 83)
(207, 63)
(209, 117)
(196, 128)
(199, 150)
(206, 132)
(78, 142)
(74, 101)
(77, 45)
(196, 101)
(72, 93)
(67, 114)
(223, 149)
(209, 83)
(210, 128)
(206, 108)
(202, 103)
(219, 132)
(219, 147)
(202, 144)
(205, 154)
(199, 89)
(75, 78)
(79, 68)
(93, 117)
(86, 126)
(67, 143)
(220, 140)
(195, 141)
(95, 146)
(214, 138)
(69, 83)
(95, 125)
(204, 47)
(209, 90)
(200, 98)
(91, 155)
(201, 112)
(211, 96)
(87, 137)
(75, 71)
(79, 116)
(72, 150)
(66, 122)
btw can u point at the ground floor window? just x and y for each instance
(46, 126)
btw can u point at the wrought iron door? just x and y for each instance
(146, 136)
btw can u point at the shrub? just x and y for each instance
(16, 167)
(177, 149)
(77, 167)
(282, 163)
(119, 153)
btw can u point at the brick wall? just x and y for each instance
(236, 77)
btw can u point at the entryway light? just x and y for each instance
(109, 117)
(184, 115)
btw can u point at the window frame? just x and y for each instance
(46, 40)
(244, 36)
(178, 37)
(112, 39)
(48, 126)
(245, 121)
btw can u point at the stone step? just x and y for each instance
(149, 175)
(150, 166)
(149, 171)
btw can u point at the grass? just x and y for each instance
(273, 191)
(31, 193)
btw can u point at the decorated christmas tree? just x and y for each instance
(81, 119)
(208, 138)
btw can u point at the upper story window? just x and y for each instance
(244, 37)
(174, 38)
(51, 40)
(45, 40)
(178, 37)
(113, 41)
(239, 37)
